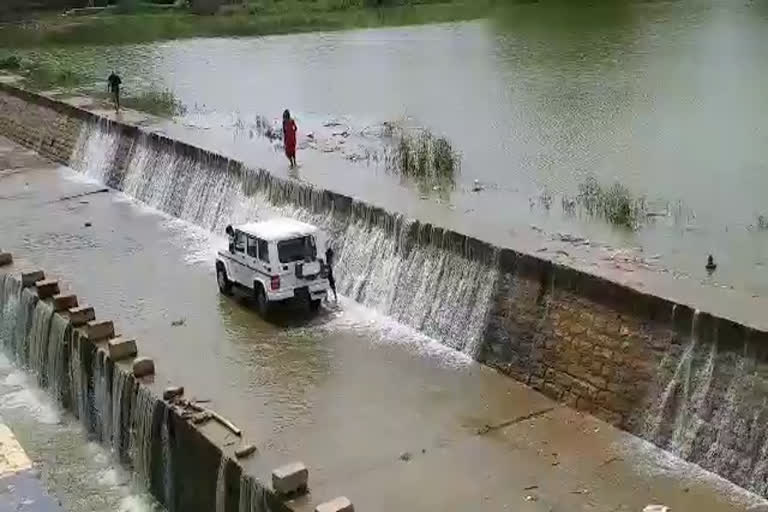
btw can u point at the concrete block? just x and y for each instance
(340, 504)
(100, 330)
(30, 278)
(81, 315)
(64, 302)
(121, 348)
(5, 258)
(291, 478)
(47, 288)
(143, 366)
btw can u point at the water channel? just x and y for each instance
(666, 98)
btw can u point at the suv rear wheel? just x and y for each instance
(225, 285)
(262, 303)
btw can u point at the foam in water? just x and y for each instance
(381, 261)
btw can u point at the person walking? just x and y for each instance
(113, 86)
(289, 137)
(329, 254)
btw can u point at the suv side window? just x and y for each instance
(252, 247)
(263, 251)
(240, 241)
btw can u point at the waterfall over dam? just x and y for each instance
(143, 432)
(414, 273)
(666, 369)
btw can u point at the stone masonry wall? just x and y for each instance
(43, 126)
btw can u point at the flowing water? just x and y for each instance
(438, 291)
(666, 98)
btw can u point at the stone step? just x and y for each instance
(340, 504)
(143, 367)
(5, 258)
(64, 302)
(47, 288)
(97, 331)
(291, 479)
(30, 278)
(121, 348)
(81, 315)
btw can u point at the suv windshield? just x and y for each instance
(297, 249)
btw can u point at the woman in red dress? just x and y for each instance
(289, 137)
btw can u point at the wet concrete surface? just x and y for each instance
(379, 413)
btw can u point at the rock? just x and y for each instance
(201, 417)
(340, 504)
(5, 258)
(81, 315)
(143, 367)
(121, 348)
(290, 479)
(245, 451)
(179, 322)
(405, 456)
(173, 392)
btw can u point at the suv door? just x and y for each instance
(238, 256)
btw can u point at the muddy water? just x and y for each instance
(81, 476)
(666, 98)
(348, 392)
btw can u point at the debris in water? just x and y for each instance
(656, 508)
(405, 456)
(531, 497)
(477, 186)
(423, 450)
(173, 392)
(179, 322)
(87, 224)
(531, 487)
(580, 491)
(711, 266)
(245, 451)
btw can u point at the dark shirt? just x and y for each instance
(114, 82)
(329, 257)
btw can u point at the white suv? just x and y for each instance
(276, 260)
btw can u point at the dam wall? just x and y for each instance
(687, 380)
(169, 455)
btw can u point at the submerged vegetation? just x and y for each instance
(430, 161)
(162, 103)
(614, 203)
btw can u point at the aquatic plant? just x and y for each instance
(11, 63)
(46, 75)
(615, 203)
(421, 156)
(159, 102)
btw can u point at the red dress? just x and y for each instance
(289, 137)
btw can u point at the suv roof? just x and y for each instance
(277, 229)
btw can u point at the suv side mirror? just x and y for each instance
(229, 231)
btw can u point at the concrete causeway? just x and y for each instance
(378, 413)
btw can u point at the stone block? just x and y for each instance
(290, 479)
(81, 315)
(100, 330)
(121, 348)
(47, 288)
(340, 504)
(5, 258)
(64, 302)
(143, 367)
(30, 278)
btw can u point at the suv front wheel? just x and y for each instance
(262, 303)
